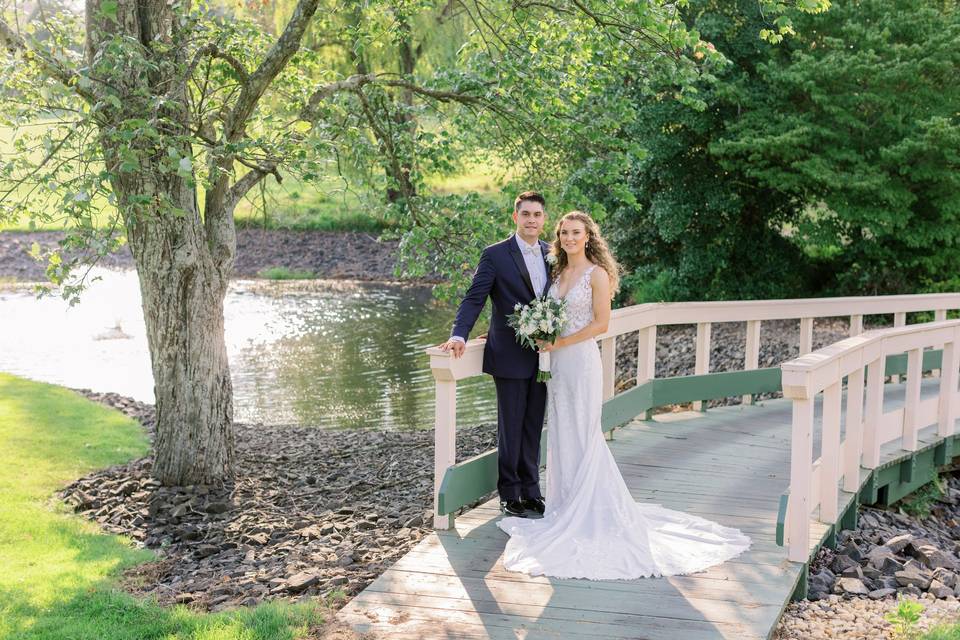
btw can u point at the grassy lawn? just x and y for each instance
(329, 204)
(59, 576)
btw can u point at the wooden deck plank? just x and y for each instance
(453, 583)
(537, 622)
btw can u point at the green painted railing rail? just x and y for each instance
(469, 480)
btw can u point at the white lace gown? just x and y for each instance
(593, 528)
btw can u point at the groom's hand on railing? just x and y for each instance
(456, 347)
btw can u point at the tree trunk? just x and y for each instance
(183, 261)
(183, 289)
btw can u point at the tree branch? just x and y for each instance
(213, 50)
(311, 111)
(274, 62)
(249, 181)
(14, 44)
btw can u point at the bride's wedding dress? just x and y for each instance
(592, 527)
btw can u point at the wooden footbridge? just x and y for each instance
(865, 420)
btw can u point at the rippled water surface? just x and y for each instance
(325, 353)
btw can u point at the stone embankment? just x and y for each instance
(891, 555)
(348, 255)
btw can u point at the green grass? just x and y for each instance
(59, 577)
(283, 273)
(942, 632)
(328, 204)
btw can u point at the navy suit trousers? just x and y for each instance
(520, 407)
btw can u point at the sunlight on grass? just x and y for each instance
(328, 204)
(59, 573)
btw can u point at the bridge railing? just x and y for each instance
(864, 361)
(457, 484)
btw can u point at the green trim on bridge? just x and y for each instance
(467, 482)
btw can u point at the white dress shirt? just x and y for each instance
(533, 258)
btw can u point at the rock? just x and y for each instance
(939, 590)
(879, 594)
(851, 586)
(877, 555)
(898, 543)
(935, 558)
(843, 563)
(345, 561)
(911, 576)
(947, 577)
(890, 566)
(301, 581)
(218, 507)
(852, 551)
(853, 572)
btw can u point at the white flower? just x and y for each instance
(517, 307)
(551, 259)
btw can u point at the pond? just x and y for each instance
(325, 353)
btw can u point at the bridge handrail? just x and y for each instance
(816, 483)
(645, 318)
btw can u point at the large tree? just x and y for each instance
(168, 115)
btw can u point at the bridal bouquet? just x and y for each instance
(542, 319)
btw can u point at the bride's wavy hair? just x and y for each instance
(596, 250)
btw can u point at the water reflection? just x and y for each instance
(325, 353)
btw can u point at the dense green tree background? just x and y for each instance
(825, 164)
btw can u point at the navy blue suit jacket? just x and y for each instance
(502, 276)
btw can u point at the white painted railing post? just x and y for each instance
(912, 404)
(830, 453)
(899, 320)
(608, 368)
(806, 335)
(646, 357)
(938, 316)
(801, 454)
(856, 325)
(853, 449)
(751, 351)
(947, 409)
(874, 409)
(702, 363)
(445, 437)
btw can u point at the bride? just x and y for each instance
(592, 527)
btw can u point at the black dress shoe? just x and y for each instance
(535, 504)
(513, 508)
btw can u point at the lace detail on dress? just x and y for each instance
(579, 302)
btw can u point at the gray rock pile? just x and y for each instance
(676, 348)
(311, 512)
(891, 553)
(352, 255)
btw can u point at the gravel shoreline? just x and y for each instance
(312, 512)
(316, 515)
(346, 255)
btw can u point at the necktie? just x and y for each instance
(533, 251)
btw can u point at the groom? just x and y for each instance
(511, 272)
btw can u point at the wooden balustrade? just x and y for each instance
(644, 320)
(817, 483)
